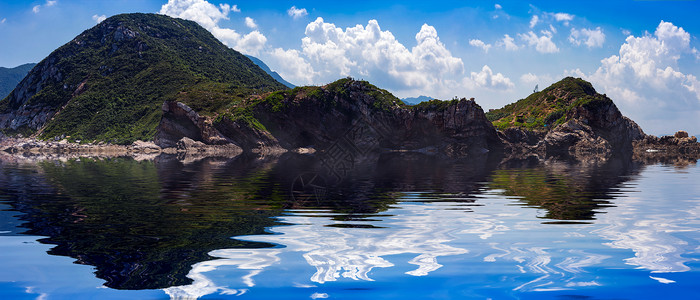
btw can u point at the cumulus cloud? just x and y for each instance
(480, 44)
(646, 79)
(367, 52)
(51, 2)
(374, 54)
(543, 43)
(534, 21)
(297, 13)
(590, 37)
(235, 8)
(508, 43)
(250, 22)
(36, 8)
(209, 15)
(497, 6)
(487, 79)
(99, 19)
(293, 66)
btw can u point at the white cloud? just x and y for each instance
(497, 6)
(99, 19)
(3, 21)
(235, 8)
(543, 44)
(209, 15)
(252, 43)
(541, 80)
(250, 23)
(589, 37)
(297, 13)
(625, 32)
(529, 78)
(534, 21)
(49, 3)
(480, 44)
(646, 81)
(292, 66)
(508, 43)
(486, 79)
(375, 54)
(367, 52)
(563, 17)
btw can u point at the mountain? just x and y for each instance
(568, 118)
(545, 109)
(10, 77)
(267, 69)
(109, 83)
(416, 100)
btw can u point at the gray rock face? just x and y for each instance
(456, 128)
(598, 129)
(179, 121)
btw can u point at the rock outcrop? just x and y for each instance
(567, 119)
(347, 113)
(677, 149)
(596, 128)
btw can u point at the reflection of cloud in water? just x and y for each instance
(649, 234)
(496, 233)
(652, 226)
(254, 260)
(557, 269)
(353, 253)
(349, 253)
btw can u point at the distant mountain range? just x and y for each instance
(416, 100)
(267, 69)
(10, 77)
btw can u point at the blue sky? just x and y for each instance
(642, 54)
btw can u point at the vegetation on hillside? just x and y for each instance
(548, 108)
(128, 65)
(327, 96)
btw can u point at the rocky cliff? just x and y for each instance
(567, 119)
(349, 113)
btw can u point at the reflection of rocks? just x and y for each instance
(568, 191)
(136, 237)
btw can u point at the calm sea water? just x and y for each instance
(393, 227)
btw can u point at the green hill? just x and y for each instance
(548, 108)
(110, 82)
(10, 77)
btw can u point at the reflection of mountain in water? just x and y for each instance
(113, 215)
(566, 191)
(147, 225)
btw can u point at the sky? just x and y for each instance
(642, 54)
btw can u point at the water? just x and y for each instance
(396, 227)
